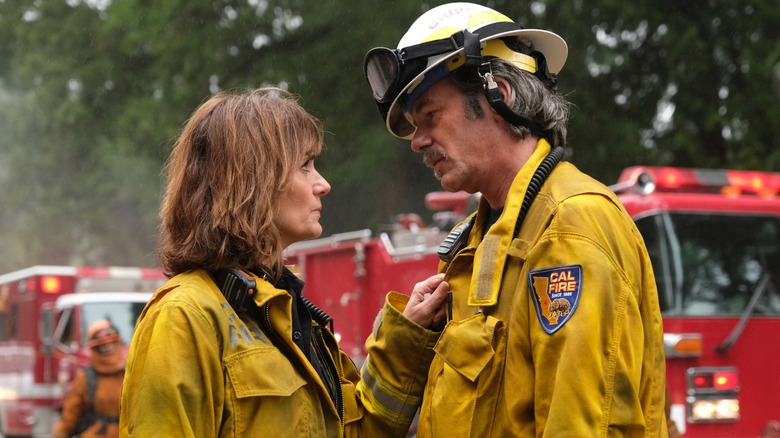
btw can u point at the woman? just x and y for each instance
(242, 186)
(91, 408)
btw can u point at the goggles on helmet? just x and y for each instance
(390, 70)
(103, 337)
(386, 68)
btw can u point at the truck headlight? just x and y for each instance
(713, 410)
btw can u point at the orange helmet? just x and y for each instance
(101, 332)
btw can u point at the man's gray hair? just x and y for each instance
(530, 97)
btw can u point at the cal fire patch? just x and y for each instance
(556, 294)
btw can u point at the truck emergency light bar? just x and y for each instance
(118, 272)
(647, 179)
(118, 279)
(58, 279)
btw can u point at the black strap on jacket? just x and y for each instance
(239, 288)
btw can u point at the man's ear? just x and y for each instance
(506, 94)
(505, 89)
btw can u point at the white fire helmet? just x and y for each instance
(434, 46)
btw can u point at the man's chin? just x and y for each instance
(449, 186)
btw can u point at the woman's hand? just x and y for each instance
(426, 304)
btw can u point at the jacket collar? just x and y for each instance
(491, 250)
(266, 290)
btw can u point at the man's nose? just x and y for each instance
(421, 140)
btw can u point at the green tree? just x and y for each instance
(666, 83)
(94, 92)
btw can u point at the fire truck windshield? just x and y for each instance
(122, 315)
(710, 264)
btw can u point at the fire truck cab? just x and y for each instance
(714, 240)
(44, 315)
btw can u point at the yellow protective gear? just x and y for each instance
(198, 369)
(513, 363)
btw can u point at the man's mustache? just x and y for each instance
(431, 156)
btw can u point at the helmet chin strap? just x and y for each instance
(474, 60)
(496, 100)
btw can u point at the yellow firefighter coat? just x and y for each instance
(556, 333)
(197, 369)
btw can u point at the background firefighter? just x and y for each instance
(95, 413)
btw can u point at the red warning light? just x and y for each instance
(725, 380)
(764, 183)
(712, 380)
(671, 178)
(51, 284)
(703, 381)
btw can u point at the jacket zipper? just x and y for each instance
(324, 354)
(321, 351)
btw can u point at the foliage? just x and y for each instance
(93, 93)
(667, 83)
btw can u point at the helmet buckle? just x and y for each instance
(486, 74)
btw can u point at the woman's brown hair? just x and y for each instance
(231, 164)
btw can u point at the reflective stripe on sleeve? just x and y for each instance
(396, 406)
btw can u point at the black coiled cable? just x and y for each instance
(318, 314)
(542, 172)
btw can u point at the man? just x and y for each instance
(556, 329)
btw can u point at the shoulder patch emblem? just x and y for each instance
(556, 294)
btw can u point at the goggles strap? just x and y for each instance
(496, 100)
(455, 42)
(431, 48)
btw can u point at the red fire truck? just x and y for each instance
(714, 238)
(44, 315)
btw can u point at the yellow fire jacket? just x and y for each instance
(197, 369)
(555, 333)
